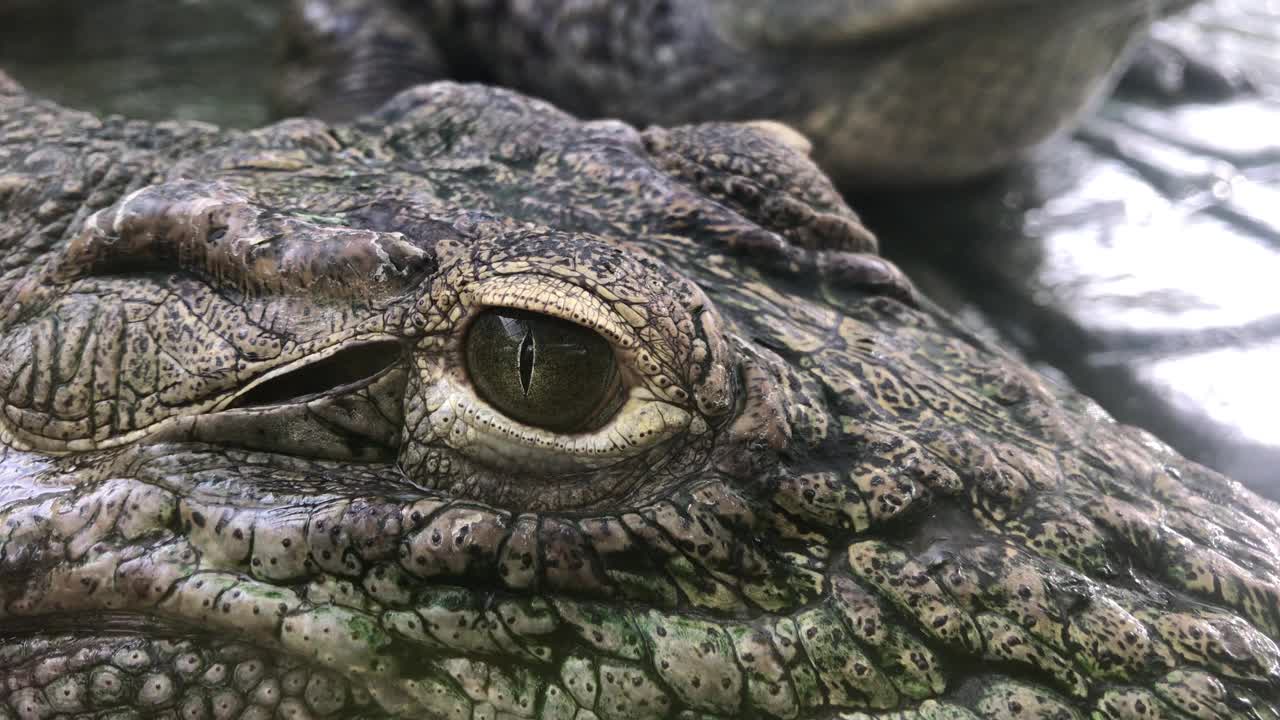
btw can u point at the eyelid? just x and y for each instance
(556, 298)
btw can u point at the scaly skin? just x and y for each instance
(890, 91)
(822, 499)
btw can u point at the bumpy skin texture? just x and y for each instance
(890, 91)
(822, 500)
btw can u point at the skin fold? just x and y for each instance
(891, 92)
(247, 472)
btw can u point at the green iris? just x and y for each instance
(543, 371)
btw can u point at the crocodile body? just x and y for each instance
(890, 92)
(255, 462)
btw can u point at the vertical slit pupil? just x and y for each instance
(543, 371)
(528, 355)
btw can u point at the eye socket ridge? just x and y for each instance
(543, 371)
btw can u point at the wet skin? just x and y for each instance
(261, 456)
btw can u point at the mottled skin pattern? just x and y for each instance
(890, 91)
(822, 499)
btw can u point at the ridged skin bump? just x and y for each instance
(246, 473)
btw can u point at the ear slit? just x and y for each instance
(347, 367)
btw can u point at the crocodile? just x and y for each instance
(891, 92)
(473, 409)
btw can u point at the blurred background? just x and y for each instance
(1137, 260)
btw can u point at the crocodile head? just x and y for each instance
(889, 91)
(473, 410)
(912, 91)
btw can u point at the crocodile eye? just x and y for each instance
(543, 371)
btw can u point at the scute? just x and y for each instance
(853, 508)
